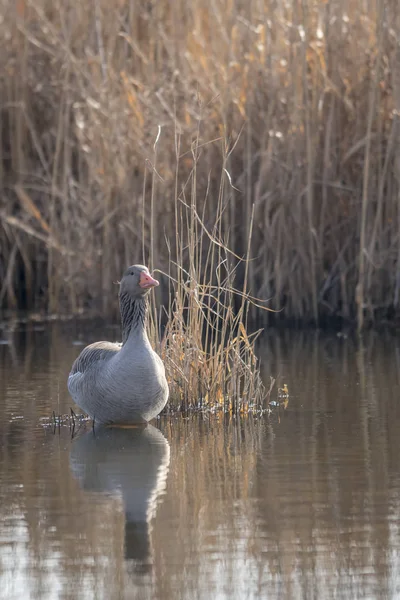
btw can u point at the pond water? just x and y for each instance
(303, 503)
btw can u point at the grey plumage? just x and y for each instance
(93, 353)
(132, 314)
(122, 383)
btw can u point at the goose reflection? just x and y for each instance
(133, 462)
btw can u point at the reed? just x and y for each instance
(308, 96)
(208, 354)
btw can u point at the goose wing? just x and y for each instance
(94, 353)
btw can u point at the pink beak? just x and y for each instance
(147, 281)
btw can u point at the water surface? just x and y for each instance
(303, 503)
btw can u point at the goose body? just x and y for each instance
(122, 383)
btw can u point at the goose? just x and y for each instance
(123, 382)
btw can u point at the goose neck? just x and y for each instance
(133, 316)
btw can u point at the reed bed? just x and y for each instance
(293, 108)
(208, 354)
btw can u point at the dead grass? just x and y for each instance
(208, 354)
(305, 100)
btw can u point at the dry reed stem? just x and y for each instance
(286, 87)
(209, 357)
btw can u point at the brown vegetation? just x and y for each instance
(302, 101)
(208, 354)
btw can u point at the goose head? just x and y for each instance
(136, 282)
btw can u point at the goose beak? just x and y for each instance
(147, 281)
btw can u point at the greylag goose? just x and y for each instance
(122, 383)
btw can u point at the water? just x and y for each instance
(301, 504)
